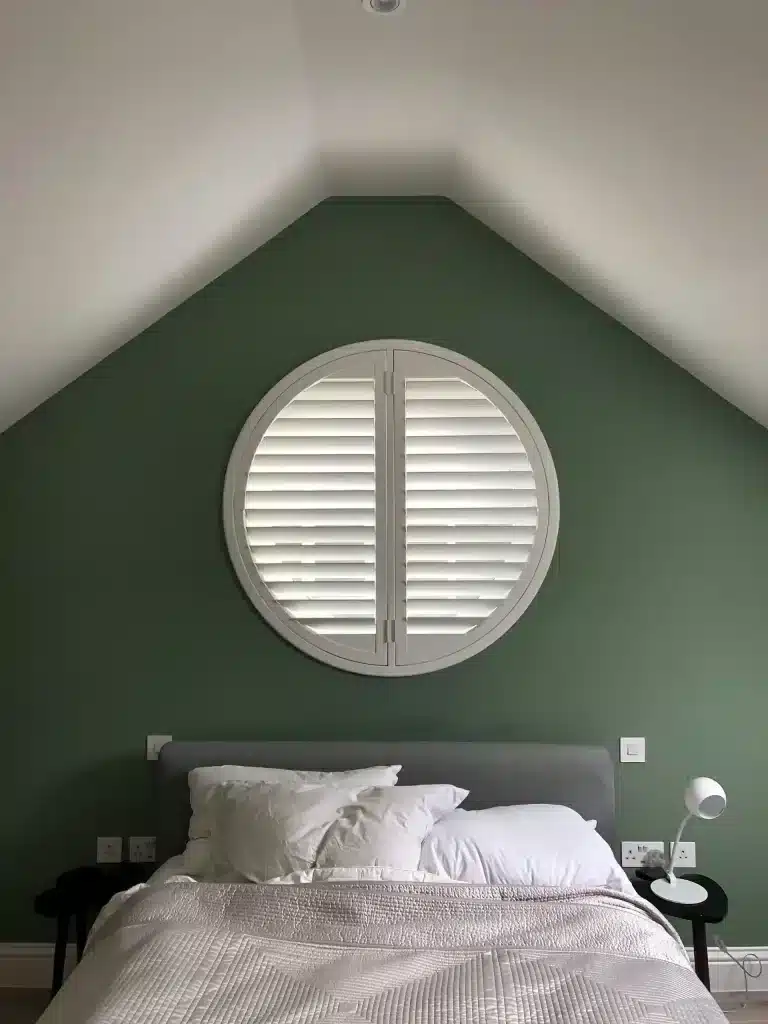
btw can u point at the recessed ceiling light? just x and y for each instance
(383, 6)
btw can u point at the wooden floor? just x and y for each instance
(755, 1012)
(24, 1006)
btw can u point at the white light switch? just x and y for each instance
(632, 748)
(109, 849)
(155, 744)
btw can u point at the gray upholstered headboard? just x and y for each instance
(494, 773)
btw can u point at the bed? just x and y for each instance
(180, 951)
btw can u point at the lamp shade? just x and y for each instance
(705, 798)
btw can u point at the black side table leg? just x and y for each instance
(60, 952)
(700, 956)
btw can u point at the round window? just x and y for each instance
(391, 507)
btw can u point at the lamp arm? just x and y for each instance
(671, 869)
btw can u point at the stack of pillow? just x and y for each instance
(271, 824)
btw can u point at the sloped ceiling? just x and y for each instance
(147, 146)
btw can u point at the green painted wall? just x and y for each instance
(120, 615)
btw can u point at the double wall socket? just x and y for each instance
(141, 849)
(634, 855)
(109, 849)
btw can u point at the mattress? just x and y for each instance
(183, 952)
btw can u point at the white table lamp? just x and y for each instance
(704, 798)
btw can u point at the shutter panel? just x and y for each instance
(468, 508)
(319, 563)
(313, 486)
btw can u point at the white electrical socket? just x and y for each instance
(633, 854)
(685, 856)
(155, 744)
(109, 849)
(141, 849)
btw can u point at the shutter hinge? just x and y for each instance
(388, 630)
(392, 631)
(384, 630)
(389, 382)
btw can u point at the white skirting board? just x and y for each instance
(29, 965)
(726, 976)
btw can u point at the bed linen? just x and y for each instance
(526, 844)
(168, 869)
(265, 830)
(385, 826)
(183, 952)
(206, 783)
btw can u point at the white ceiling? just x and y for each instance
(147, 146)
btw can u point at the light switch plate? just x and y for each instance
(155, 744)
(109, 849)
(632, 748)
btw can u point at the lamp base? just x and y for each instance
(679, 891)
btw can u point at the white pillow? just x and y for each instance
(266, 831)
(205, 783)
(385, 827)
(528, 844)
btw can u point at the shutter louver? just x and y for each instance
(471, 508)
(310, 508)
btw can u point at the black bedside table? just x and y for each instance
(81, 893)
(711, 911)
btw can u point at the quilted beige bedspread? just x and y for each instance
(380, 953)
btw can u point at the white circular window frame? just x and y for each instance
(284, 391)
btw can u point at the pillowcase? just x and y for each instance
(528, 844)
(207, 781)
(203, 783)
(385, 827)
(266, 831)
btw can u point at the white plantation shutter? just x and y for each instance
(391, 508)
(473, 508)
(310, 507)
(470, 506)
(304, 495)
